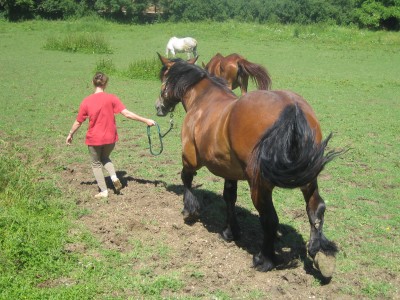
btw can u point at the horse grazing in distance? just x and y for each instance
(236, 70)
(185, 45)
(267, 138)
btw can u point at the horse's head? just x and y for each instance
(167, 100)
(164, 103)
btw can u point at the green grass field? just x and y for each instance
(349, 76)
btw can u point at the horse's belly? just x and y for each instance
(231, 173)
(225, 167)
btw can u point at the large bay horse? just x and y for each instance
(181, 45)
(236, 70)
(268, 138)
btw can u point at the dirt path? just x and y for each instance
(148, 212)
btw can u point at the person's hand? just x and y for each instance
(69, 139)
(150, 122)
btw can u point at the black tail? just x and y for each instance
(287, 154)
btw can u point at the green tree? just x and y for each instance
(123, 10)
(378, 14)
(55, 9)
(15, 10)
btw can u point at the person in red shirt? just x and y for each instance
(101, 136)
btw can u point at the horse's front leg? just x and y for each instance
(262, 199)
(191, 205)
(232, 230)
(319, 247)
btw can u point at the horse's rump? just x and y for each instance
(288, 155)
(190, 42)
(236, 70)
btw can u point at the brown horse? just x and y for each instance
(236, 70)
(268, 138)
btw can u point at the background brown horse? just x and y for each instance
(236, 70)
(269, 138)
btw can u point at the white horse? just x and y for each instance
(185, 45)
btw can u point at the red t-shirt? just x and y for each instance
(100, 109)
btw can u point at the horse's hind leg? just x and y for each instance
(232, 230)
(262, 199)
(191, 205)
(318, 243)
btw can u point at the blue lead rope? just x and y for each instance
(160, 136)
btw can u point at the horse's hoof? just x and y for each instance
(188, 217)
(325, 263)
(229, 236)
(312, 251)
(262, 263)
(226, 236)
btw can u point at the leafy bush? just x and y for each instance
(56, 9)
(144, 69)
(284, 11)
(375, 15)
(106, 66)
(84, 42)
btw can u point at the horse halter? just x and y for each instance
(164, 96)
(164, 90)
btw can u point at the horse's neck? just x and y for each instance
(205, 93)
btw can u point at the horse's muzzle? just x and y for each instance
(161, 111)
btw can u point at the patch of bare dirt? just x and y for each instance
(150, 212)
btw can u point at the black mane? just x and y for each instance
(182, 75)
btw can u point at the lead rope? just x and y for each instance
(160, 136)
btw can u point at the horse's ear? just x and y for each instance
(193, 60)
(165, 61)
(203, 64)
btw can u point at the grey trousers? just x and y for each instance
(100, 156)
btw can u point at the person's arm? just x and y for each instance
(130, 115)
(74, 128)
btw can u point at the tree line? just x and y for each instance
(372, 14)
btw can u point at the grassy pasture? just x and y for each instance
(349, 76)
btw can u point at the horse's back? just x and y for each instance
(234, 57)
(256, 112)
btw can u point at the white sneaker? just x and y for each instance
(103, 194)
(117, 185)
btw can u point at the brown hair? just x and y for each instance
(100, 79)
